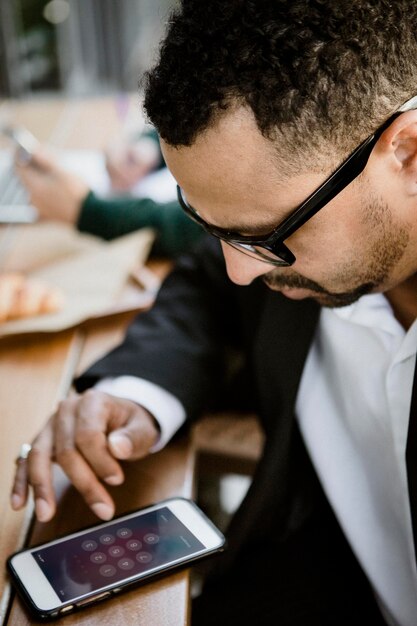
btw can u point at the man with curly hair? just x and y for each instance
(291, 129)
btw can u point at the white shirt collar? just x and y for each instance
(374, 311)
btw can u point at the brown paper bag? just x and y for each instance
(92, 274)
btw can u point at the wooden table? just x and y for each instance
(36, 372)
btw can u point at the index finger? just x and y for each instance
(97, 413)
(76, 464)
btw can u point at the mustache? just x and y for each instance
(277, 281)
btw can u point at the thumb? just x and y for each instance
(135, 438)
(120, 444)
(41, 159)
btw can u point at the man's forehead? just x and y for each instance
(231, 174)
(232, 151)
(227, 126)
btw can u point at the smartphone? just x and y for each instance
(90, 565)
(14, 205)
(24, 141)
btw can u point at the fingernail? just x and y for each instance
(42, 509)
(120, 445)
(16, 501)
(114, 480)
(103, 511)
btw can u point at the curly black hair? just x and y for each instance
(312, 71)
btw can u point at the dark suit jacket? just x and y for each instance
(183, 344)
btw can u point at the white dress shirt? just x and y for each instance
(353, 409)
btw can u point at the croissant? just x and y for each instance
(22, 297)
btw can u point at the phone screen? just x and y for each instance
(125, 549)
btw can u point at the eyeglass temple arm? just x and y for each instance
(353, 166)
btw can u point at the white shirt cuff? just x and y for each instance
(165, 408)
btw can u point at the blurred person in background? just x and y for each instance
(130, 159)
(60, 195)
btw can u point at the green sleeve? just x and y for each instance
(111, 218)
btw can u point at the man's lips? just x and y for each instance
(294, 293)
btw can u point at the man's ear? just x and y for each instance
(399, 145)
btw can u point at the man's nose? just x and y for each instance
(241, 268)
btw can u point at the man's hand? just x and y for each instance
(128, 163)
(87, 436)
(57, 194)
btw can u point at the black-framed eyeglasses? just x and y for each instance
(270, 248)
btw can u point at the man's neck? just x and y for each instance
(403, 299)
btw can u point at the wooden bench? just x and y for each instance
(228, 443)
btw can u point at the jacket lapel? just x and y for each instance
(411, 459)
(280, 343)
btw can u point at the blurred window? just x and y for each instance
(78, 46)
